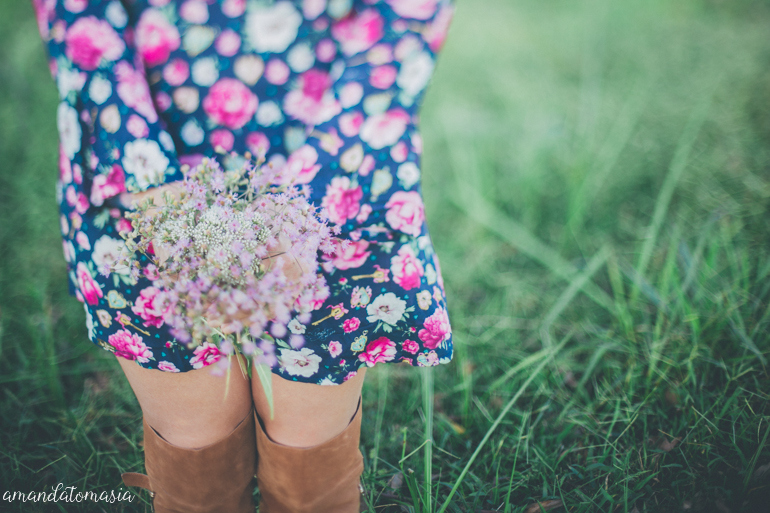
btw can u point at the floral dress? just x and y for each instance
(328, 90)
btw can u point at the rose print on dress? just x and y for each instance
(230, 103)
(90, 40)
(327, 92)
(156, 38)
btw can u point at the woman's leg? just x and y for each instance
(307, 414)
(199, 446)
(190, 409)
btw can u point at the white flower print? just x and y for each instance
(144, 159)
(100, 89)
(299, 363)
(274, 28)
(90, 326)
(408, 174)
(116, 14)
(165, 140)
(106, 252)
(386, 308)
(69, 129)
(415, 73)
(205, 72)
(248, 68)
(192, 134)
(296, 327)
(269, 113)
(300, 58)
(70, 80)
(110, 118)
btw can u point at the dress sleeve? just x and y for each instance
(108, 124)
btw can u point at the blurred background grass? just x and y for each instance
(597, 187)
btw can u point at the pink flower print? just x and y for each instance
(151, 307)
(233, 8)
(326, 50)
(335, 349)
(435, 329)
(43, 12)
(382, 77)
(222, 138)
(342, 199)
(194, 11)
(351, 325)
(65, 166)
(399, 152)
(230, 103)
(167, 367)
(82, 204)
(349, 375)
(105, 186)
(123, 225)
(228, 43)
(277, 72)
(358, 32)
(134, 91)
(312, 9)
(382, 130)
(350, 94)
(89, 40)
(137, 127)
(406, 268)
(367, 166)
(435, 32)
(176, 72)
(353, 255)
(82, 239)
(156, 37)
(75, 5)
(405, 212)
(380, 350)
(302, 165)
(204, 355)
(163, 101)
(313, 102)
(410, 346)
(130, 346)
(258, 144)
(416, 9)
(88, 287)
(363, 214)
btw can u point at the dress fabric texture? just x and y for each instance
(328, 90)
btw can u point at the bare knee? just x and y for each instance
(190, 409)
(307, 414)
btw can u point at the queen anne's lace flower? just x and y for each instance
(233, 255)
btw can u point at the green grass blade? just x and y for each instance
(427, 405)
(675, 171)
(552, 352)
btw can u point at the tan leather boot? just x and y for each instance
(213, 479)
(319, 479)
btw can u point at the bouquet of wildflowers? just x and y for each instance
(234, 253)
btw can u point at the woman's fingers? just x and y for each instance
(133, 199)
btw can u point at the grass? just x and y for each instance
(596, 182)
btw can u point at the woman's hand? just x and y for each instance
(133, 200)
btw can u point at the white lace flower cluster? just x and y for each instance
(234, 255)
(222, 238)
